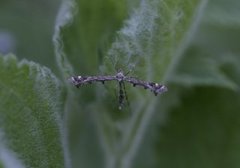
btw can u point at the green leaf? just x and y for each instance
(84, 30)
(202, 130)
(201, 109)
(30, 112)
(149, 44)
(214, 49)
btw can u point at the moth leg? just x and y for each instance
(121, 95)
(125, 93)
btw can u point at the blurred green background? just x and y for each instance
(26, 29)
(196, 124)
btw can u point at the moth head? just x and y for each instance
(120, 76)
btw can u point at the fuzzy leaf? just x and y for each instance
(201, 123)
(149, 43)
(83, 31)
(214, 49)
(30, 112)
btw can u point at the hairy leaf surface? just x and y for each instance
(30, 112)
(148, 43)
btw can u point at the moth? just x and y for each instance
(121, 78)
